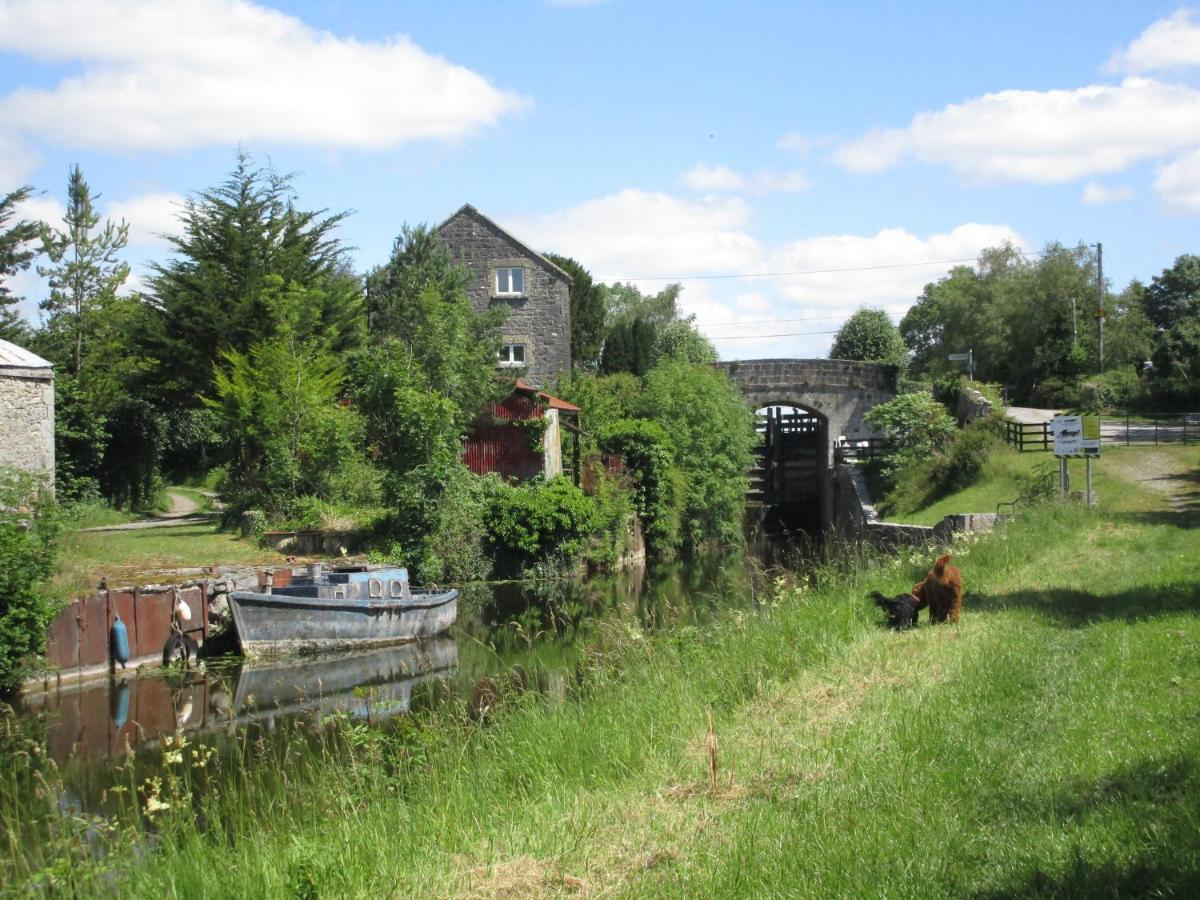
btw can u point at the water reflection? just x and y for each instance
(510, 639)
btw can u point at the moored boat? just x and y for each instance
(323, 611)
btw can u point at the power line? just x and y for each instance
(772, 321)
(759, 337)
(912, 265)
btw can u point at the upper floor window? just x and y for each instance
(511, 355)
(510, 281)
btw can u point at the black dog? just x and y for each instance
(901, 610)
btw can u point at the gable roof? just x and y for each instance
(468, 210)
(14, 357)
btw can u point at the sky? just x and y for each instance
(787, 162)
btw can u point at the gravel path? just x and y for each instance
(180, 513)
(1169, 474)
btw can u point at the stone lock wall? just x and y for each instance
(541, 318)
(27, 420)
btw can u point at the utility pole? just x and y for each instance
(1100, 306)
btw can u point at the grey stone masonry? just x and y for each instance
(26, 411)
(539, 318)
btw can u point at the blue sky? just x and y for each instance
(758, 145)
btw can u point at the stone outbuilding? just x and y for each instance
(26, 411)
(537, 332)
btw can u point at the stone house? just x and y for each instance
(537, 333)
(26, 411)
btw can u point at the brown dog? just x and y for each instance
(941, 591)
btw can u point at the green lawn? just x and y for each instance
(131, 557)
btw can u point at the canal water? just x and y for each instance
(528, 636)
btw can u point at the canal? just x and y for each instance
(510, 639)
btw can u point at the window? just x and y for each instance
(510, 281)
(512, 355)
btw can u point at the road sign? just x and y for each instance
(959, 357)
(1076, 435)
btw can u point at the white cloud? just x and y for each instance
(1096, 194)
(168, 74)
(1178, 184)
(17, 163)
(639, 234)
(887, 269)
(150, 216)
(40, 208)
(722, 178)
(712, 178)
(635, 233)
(1040, 136)
(1170, 43)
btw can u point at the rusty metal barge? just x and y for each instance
(341, 608)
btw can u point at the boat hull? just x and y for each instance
(277, 623)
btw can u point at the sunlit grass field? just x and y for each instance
(1048, 745)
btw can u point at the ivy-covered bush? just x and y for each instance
(657, 498)
(29, 526)
(962, 463)
(538, 525)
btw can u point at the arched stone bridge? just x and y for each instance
(835, 394)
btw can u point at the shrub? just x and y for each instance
(539, 525)
(657, 497)
(1119, 389)
(29, 526)
(962, 463)
(917, 425)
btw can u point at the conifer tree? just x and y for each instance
(17, 250)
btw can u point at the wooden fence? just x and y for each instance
(1127, 430)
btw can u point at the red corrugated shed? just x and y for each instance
(496, 445)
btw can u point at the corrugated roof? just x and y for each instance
(14, 357)
(549, 399)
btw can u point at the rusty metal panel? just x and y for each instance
(62, 641)
(282, 576)
(153, 621)
(121, 603)
(194, 597)
(93, 632)
(155, 709)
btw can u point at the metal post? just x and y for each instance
(1088, 460)
(1100, 305)
(1064, 478)
(1126, 429)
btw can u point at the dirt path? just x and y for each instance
(1175, 476)
(182, 512)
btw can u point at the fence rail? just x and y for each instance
(1127, 430)
(861, 451)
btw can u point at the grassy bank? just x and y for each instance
(1047, 745)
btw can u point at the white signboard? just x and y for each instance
(1076, 435)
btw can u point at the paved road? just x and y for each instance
(1114, 429)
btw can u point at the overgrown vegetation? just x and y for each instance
(1054, 725)
(29, 527)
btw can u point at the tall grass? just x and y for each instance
(1047, 745)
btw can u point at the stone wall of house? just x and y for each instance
(27, 419)
(541, 318)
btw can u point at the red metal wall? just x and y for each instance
(496, 446)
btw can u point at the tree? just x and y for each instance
(419, 298)
(210, 298)
(869, 336)
(278, 399)
(18, 247)
(680, 340)
(1175, 293)
(587, 313)
(85, 272)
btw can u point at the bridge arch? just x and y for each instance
(836, 393)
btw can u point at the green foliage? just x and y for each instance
(712, 432)
(80, 441)
(679, 340)
(918, 426)
(650, 461)
(1117, 389)
(1175, 294)
(629, 347)
(193, 442)
(84, 271)
(419, 298)
(135, 433)
(17, 251)
(29, 527)
(211, 297)
(602, 400)
(587, 313)
(289, 436)
(870, 336)
(539, 523)
(961, 464)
